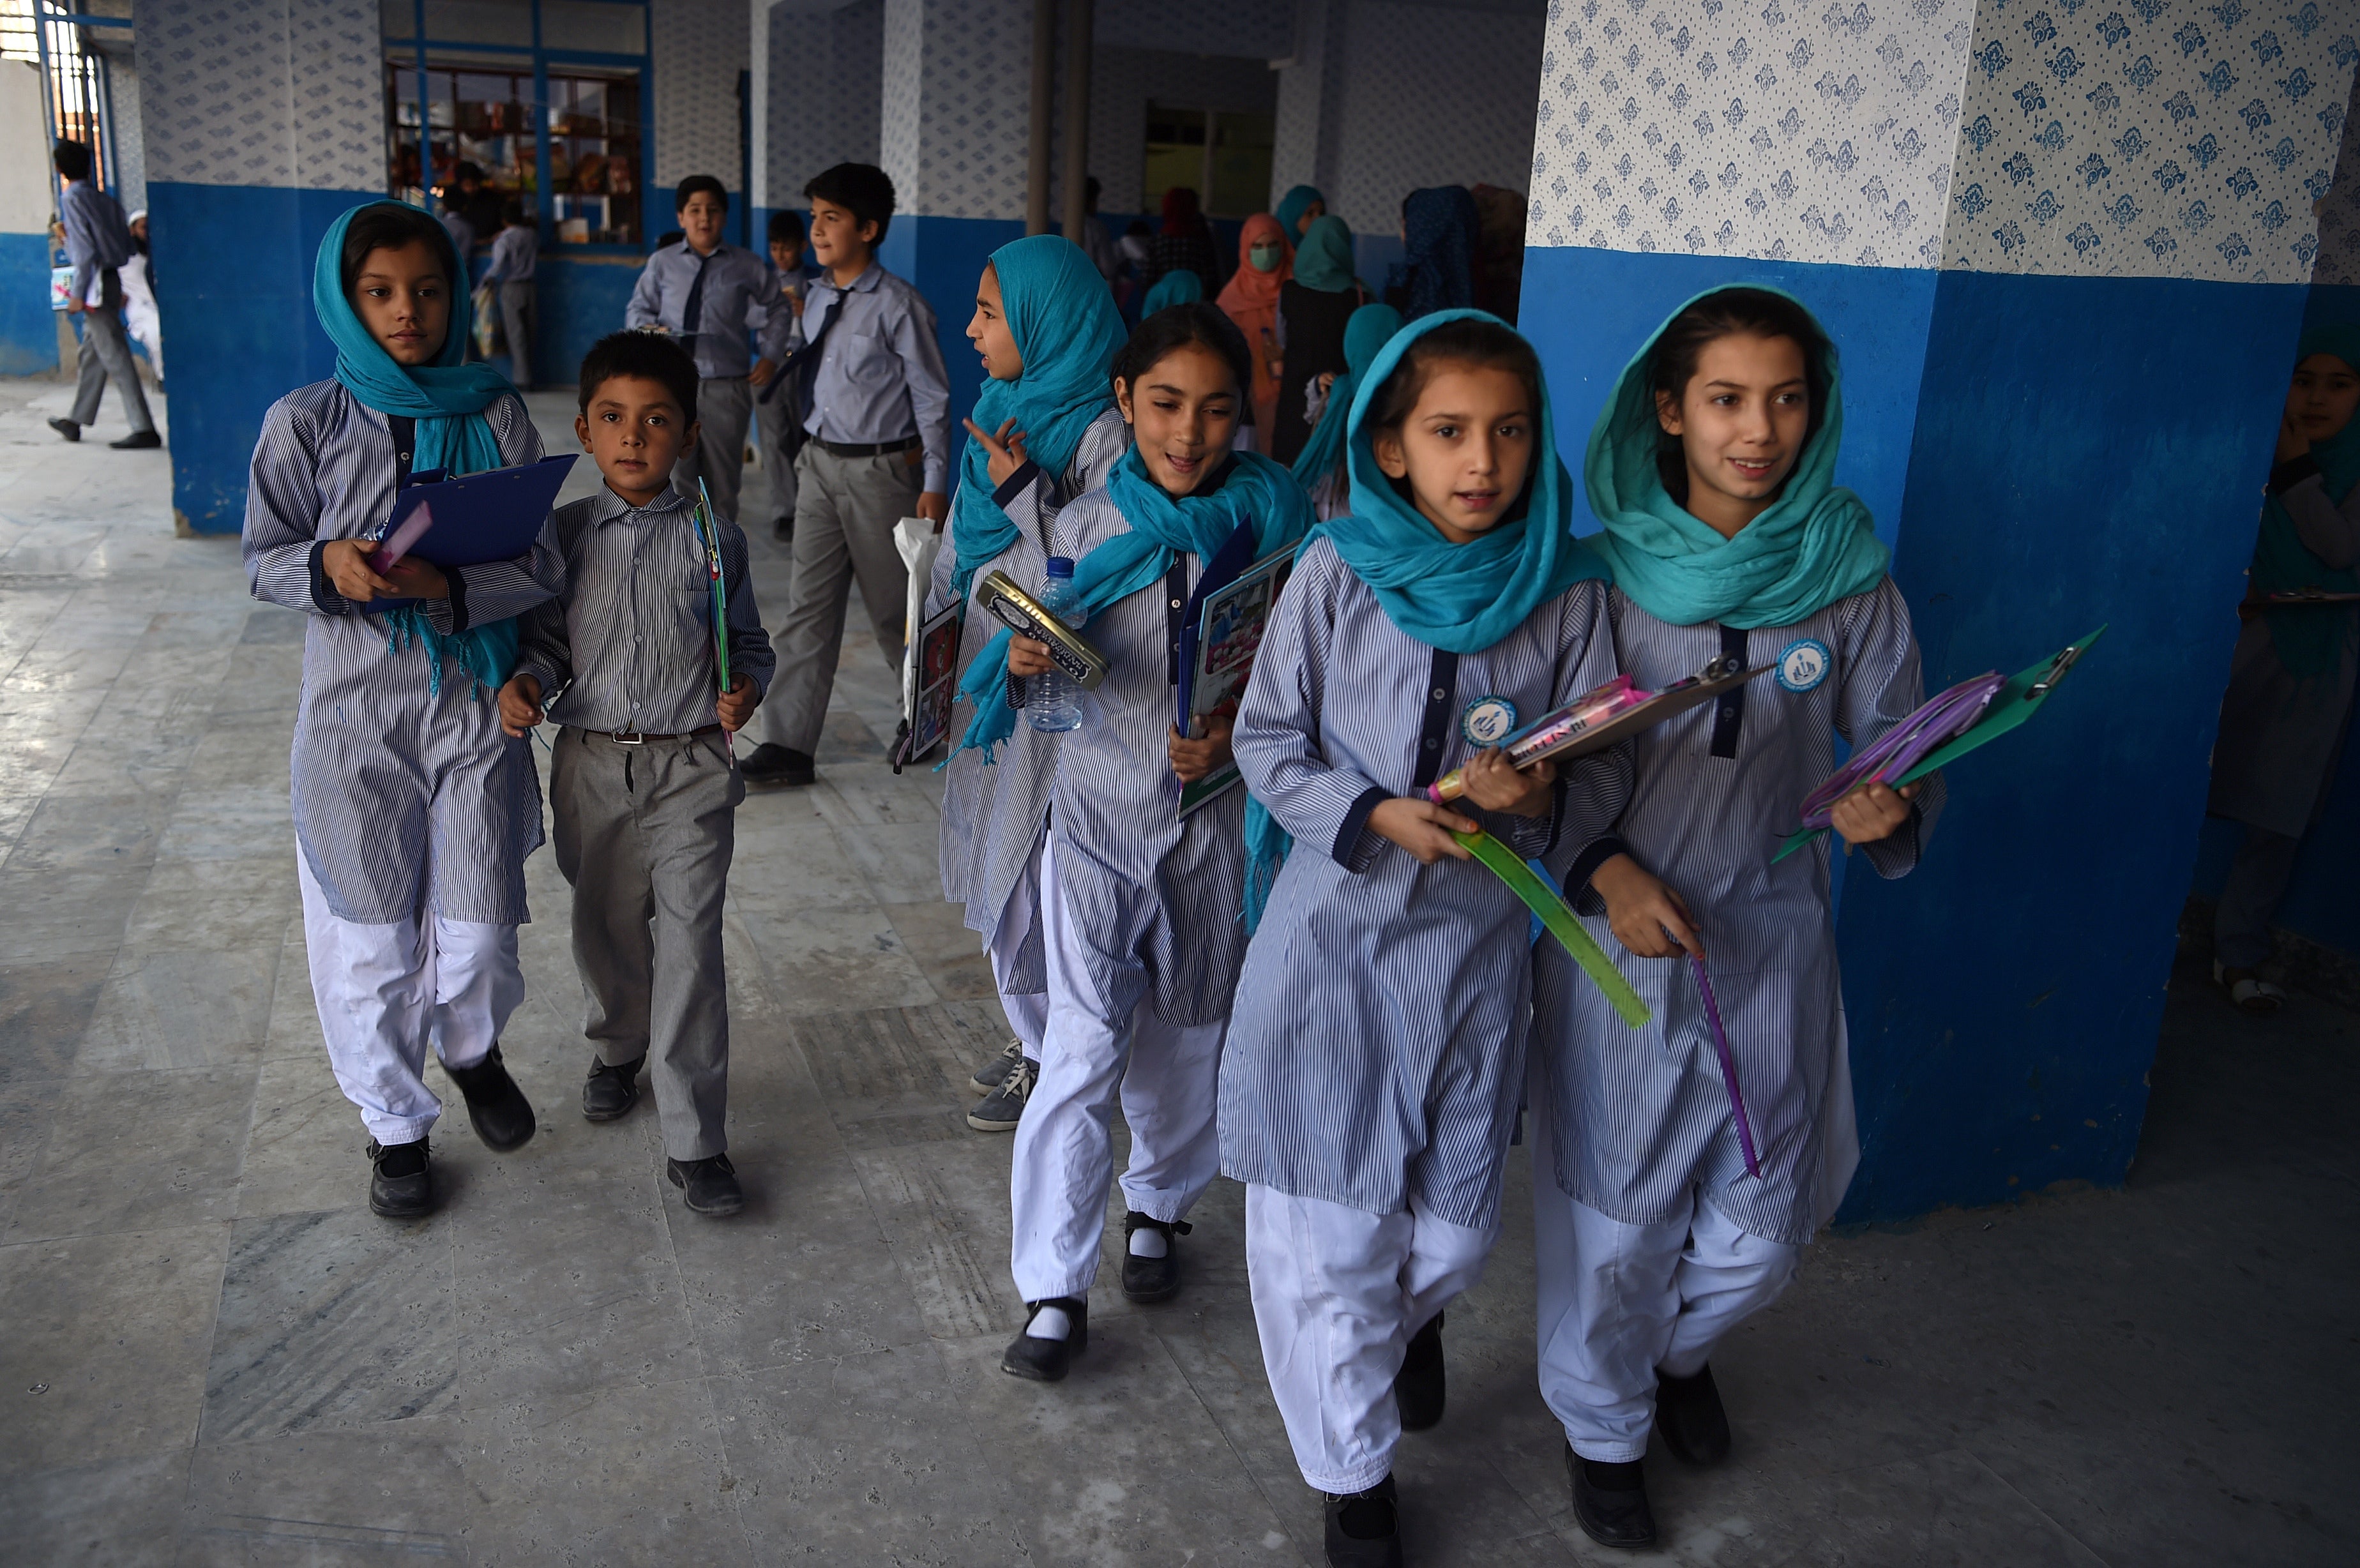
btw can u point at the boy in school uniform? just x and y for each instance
(877, 411)
(642, 786)
(702, 292)
(98, 242)
(516, 257)
(782, 437)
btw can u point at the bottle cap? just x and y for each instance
(1059, 566)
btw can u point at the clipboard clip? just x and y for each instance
(2053, 674)
(1719, 666)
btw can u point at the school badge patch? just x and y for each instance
(1488, 720)
(1804, 664)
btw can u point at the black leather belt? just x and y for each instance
(641, 737)
(866, 448)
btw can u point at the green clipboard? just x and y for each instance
(2016, 702)
(1557, 916)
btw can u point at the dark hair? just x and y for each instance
(652, 356)
(389, 226)
(1176, 327)
(668, 238)
(695, 184)
(786, 228)
(1485, 346)
(512, 211)
(1090, 191)
(862, 190)
(1731, 313)
(73, 160)
(467, 172)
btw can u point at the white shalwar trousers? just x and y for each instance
(1337, 1294)
(1619, 1302)
(385, 991)
(1166, 1076)
(1028, 1011)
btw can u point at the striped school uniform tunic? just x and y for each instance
(1154, 895)
(1377, 1046)
(993, 813)
(1642, 1114)
(405, 799)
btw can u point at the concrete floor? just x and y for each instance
(215, 1355)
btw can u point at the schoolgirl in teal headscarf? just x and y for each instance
(2309, 639)
(1293, 205)
(1814, 545)
(1177, 287)
(1067, 332)
(1323, 260)
(447, 398)
(1365, 336)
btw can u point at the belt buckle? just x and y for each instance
(628, 737)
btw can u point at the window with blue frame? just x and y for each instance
(516, 98)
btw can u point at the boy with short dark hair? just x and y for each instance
(782, 437)
(702, 292)
(872, 397)
(643, 786)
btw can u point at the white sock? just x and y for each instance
(1149, 1243)
(1049, 1323)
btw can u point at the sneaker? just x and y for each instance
(1609, 1501)
(1047, 1360)
(610, 1091)
(1150, 1278)
(992, 1074)
(138, 441)
(771, 764)
(708, 1186)
(1418, 1386)
(1689, 1418)
(400, 1186)
(1005, 1106)
(2248, 991)
(1364, 1528)
(67, 428)
(502, 1116)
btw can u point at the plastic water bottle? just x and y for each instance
(1053, 702)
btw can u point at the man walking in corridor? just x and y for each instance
(98, 242)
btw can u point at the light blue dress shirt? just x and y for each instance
(880, 372)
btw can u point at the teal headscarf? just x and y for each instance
(1460, 598)
(1367, 332)
(1323, 260)
(1068, 332)
(1178, 287)
(447, 398)
(1291, 206)
(1161, 525)
(1816, 544)
(2309, 639)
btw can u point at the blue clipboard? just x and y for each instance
(481, 517)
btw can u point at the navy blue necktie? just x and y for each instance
(692, 315)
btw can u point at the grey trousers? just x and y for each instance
(518, 315)
(770, 421)
(644, 835)
(845, 511)
(724, 404)
(2257, 880)
(106, 352)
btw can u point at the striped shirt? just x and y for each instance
(993, 814)
(736, 282)
(1377, 1048)
(384, 767)
(1713, 793)
(630, 638)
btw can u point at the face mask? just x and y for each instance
(1263, 257)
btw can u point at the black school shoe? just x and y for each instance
(771, 764)
(1417, 1387)
(708, 1186)
(609, 1093)
(1047, 1360)
(138, 441)
(1364, 1528)
(400, 1186)
(1152, 1279)
(1609, 1501)
(502, 1116)
(1689, 1418)
(67, 428)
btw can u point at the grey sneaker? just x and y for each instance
(989, 1076)
(1005, 1106)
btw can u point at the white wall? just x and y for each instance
(27, 201)
(696, 47)
(821, 76)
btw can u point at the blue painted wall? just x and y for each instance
(241, 333)
(581, 299)
(29, 328)
(2008, 433)
(945, 257)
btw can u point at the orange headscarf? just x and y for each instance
(1251, 299)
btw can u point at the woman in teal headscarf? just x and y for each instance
(413, 812)
(2291, 682)
(1177, 287)
(1319, 466)
(1375, 1058)
(1046, 430)
(1713, 467)
(1314, 307)
(1296, 209)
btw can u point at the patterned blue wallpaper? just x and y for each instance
(820, 78)
(956, 79)
(696, 50)
(272, 93)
